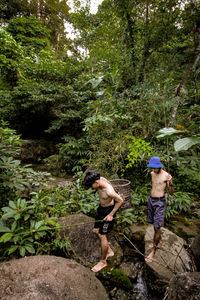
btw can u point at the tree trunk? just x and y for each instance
(57, 43)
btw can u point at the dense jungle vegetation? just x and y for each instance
(125, 88)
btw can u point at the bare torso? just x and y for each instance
(159, 183)
(105, 192)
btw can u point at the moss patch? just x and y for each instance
(120, 279)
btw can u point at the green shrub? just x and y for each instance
(24, 232)
(15, 180)
(180, 202)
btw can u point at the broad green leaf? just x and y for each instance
(17, 216)
(12, 249)
(26, 217)
(3, 227)
(6, 237)
(8, 210)
(16, 238)
(44, 228)
(22, 251)
(38, 224)
(12, 204)
(186, 143)
(166, 132)
(8, 216)
(14, 225)
(30, 248)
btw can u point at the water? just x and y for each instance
(140, 291)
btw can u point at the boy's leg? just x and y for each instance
(156, 240)
(157, 236)
(104, 253)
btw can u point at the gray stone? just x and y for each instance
(48, 278)
(129, 269)
(195, 247)
(138, 231)
(184, 286)
(172, 258)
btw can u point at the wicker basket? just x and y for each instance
(123, 187)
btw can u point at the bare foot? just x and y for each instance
(102, 264)
(150, 257)
(110, 253)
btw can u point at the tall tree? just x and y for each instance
(52, 13)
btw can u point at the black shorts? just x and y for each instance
(104, 226)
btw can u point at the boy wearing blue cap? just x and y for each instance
(156, 201)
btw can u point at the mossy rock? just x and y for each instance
(120, 279)
(115, 277)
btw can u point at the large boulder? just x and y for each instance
(171, 258)
(48, 278)
(184, 286)
(84, 244)
(195, 247)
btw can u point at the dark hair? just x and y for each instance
(90, 178)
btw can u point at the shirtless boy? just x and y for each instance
(156, 201)
(110, 202)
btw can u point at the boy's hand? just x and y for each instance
(108, 218)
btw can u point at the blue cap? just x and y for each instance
(154, 162)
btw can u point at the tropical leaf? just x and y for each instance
(12, 249)
(167, 132)
(6, 237)
(29, 248)
(186, 143)
(3, 227)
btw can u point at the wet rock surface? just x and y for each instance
(184, 286)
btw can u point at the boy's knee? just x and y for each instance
(102, 236)
(95, 230)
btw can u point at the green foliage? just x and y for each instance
(15, 180)
(181, 144)
(52, 14)
(167, 132)
(138, 52)
(45, 98)
(30, 227)
(29, 32)
(186, 171)
(69, 200)
(186, 143)
(180, 202)
(74, 152)
(185, 166)
(11, 54)
(25, 233)
(138, 150)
